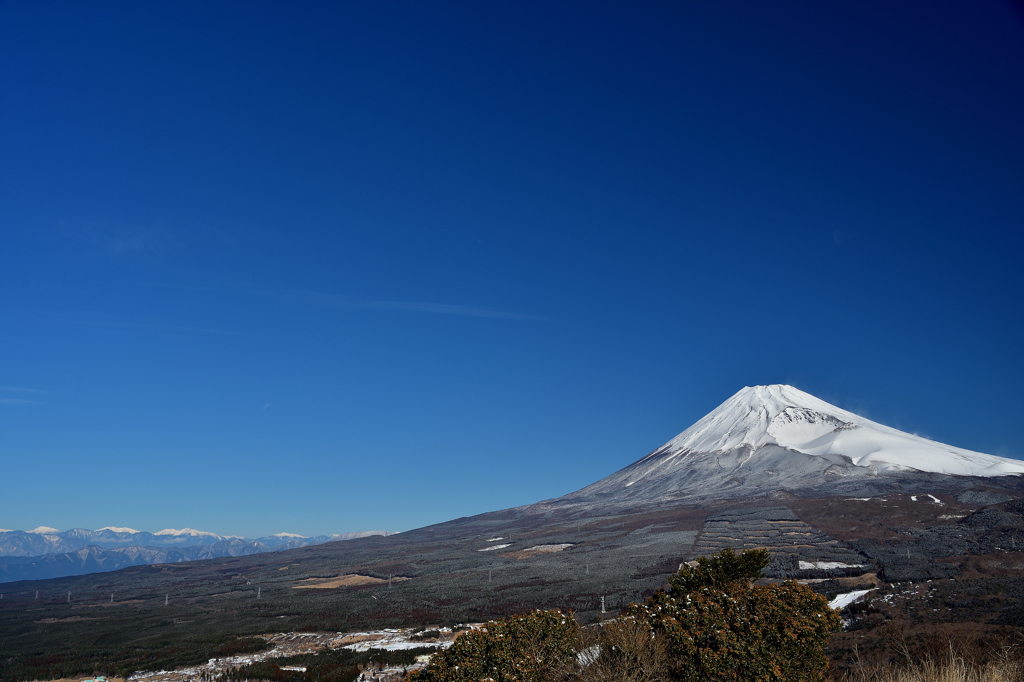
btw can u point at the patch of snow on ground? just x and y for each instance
(294, 643)
(488, 549)
(843, 600)
(394, 645)
(494, 539)
(937, 500)
(394, 640)
(827, 564)
(589, 655)
(913, 498)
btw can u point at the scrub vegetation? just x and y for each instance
(713, 623)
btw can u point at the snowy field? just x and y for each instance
(295, 643)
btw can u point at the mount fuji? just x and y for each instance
(778, 441)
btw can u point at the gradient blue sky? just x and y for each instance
(331, 267)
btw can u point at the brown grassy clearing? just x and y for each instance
(349, 580)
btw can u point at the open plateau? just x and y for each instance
(890, 526)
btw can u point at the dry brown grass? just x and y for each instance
(952, 670)
(955, 657)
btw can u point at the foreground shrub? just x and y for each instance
(728, 629)
(723, 570)
(530, 648)
(713, 624)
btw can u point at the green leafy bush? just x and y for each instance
(713, 623)
(722, 570)
(527, 648)
(719, 626)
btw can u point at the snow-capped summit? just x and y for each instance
(190, 532)
(115, 529)
(779, 438)
(43, 530)
(287, 535)
(786, 416)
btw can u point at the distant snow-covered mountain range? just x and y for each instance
(46, 552)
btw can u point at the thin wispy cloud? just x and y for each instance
(9, 400)
(343, 301)
(428, 307)
(17, 401)
(158, 327)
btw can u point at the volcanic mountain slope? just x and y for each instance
(780, 439)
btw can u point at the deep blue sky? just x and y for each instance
(330, 267)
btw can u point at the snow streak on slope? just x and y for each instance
(788, 417)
